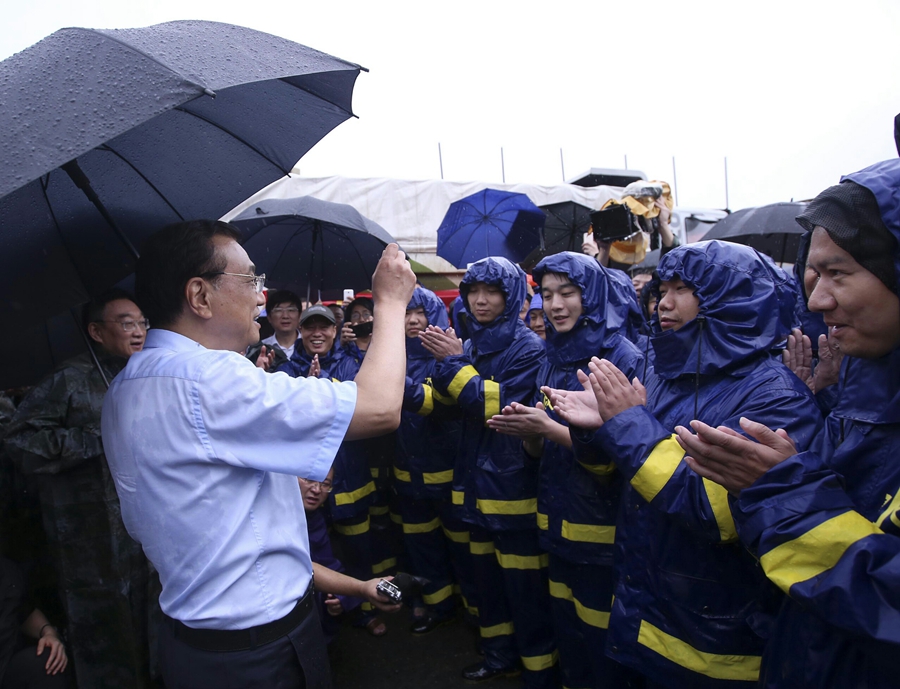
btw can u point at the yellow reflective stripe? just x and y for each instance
(436, 477)
(427, 403)
(463, 376)
(730, 667)
(891, 510)
(427, 527)
(378, 510)
(397, 519)
(374, 471)
(471, 609)
(353, 529)
(443, 399)
(543, 521)
(367, 607)
(595, 618)
(481, 547)
(718, 501)
(600, 469)
(522, 561)
(502, 629)
(658, 468)
(401, 475)
(491, 399)
(457, 536)
(816, 551)
(538, 663)
(438, 596)
(527, 506)
(380, 567)
(588, 533)
(354, 496)
(457, 497)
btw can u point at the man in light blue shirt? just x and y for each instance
(205, 449)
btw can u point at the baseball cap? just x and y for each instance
(317, 310)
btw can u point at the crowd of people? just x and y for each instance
(682, 478)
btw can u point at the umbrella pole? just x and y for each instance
(87, 342)
(74, 171)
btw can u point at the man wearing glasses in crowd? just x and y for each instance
(205, 448)
(54, 439)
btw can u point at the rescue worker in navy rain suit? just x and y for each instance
(577, 505)
(691, 604)
(826, 522)
(436, 542)
(494, 482)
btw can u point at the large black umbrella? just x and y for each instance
(310, 246)
(108, 135)
(564, 230)
(772, 230)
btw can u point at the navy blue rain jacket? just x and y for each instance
(430, 427)
(494, 482)
(690, 602)
(577, 505)
(298, 365)
(826, 523)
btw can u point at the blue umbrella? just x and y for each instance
(490, 223)
(311, 246)
(106, 136)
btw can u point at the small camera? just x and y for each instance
(389, 590)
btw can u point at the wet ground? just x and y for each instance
(401, 660)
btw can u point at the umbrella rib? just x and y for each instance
(107, 147)
(234, 136)
(61, 236)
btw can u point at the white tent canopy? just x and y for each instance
(412, 211)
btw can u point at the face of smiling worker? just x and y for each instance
(317, 335)
(562, 301)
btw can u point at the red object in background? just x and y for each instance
(448, 296)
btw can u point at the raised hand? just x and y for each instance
(797, 356)
(440, 343)
(315, 369)
(612, 390)
(265, 359)
(828, 370)
(576, 408)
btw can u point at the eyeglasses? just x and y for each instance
(324, 486)
(360, 316)
(129, 326)
(289, 311)
(258, 280)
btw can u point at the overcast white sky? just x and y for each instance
(793, 93)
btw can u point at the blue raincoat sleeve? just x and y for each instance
(818, 549)
(651, 459)
(423, 399)
(457, 378)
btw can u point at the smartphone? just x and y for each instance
(348, 296)
(362, 329)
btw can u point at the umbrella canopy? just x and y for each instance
(108, 135)
(490, 223)
(312, 247)
(564, 230)
(772, 230)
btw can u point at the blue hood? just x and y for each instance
(872, 387)
(744, 309)
(537, 304)
(604, 311)
(495, 270)
(627, 301)
(436, 314)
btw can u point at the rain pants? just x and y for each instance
(495, 482)
(578, 505)
(826, 523)
(436, 542)
(691, 604)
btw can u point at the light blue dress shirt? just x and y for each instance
(205, 450)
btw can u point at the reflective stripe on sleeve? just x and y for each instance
(527, 506)
(600, 469)
(463, 376)
(491, 399)
(730, 667)
(588, 533)
(718, 502)
(428, 401)
(658, 468)
(354, 496)
(816, 551)
(595, 618)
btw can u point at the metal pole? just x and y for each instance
(502, 165)
(674, 181)
(441, 160)
(562, 164)
(727, 204)
(626, 161)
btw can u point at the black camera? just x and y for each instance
(613, 223)
(362, 329)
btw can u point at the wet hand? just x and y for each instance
(576, 408)
(440, 343)
(394, 280)
(730, 459)
(828, 370)
(797, 356)
(520, 420)
(612, 390)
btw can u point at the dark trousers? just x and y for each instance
(298, 660)
(27, 670)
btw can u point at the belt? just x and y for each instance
(243, 639)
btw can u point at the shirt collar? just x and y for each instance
(167, 339)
